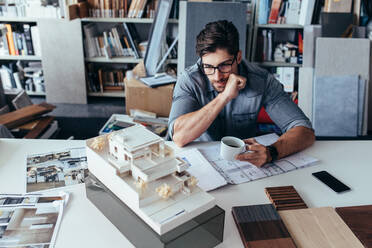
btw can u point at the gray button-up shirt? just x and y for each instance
(238, 118)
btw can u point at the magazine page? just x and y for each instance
(30, 220)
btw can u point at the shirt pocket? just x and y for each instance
(243, 121)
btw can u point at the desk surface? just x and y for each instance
(84, 226)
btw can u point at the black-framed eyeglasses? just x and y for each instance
(224, 67)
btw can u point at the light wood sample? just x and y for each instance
(319, 228)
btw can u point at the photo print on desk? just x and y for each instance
(30, 220)
(56, 169)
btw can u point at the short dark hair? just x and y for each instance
(218, 35)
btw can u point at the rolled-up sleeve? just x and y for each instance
(184, 100)
(281, 109)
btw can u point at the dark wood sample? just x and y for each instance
(285, 198)
(261, 226)
(41, 126)
(26, 114)
(359, 220)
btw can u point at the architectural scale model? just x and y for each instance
(143, 172)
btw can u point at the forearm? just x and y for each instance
(191, 125)
(294, 140)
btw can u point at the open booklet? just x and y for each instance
(31, 220)
(213, 171)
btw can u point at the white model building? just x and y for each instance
(143, 172)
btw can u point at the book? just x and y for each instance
(306, 12)
(274, 11)
(10, 40)
(4, 48)
(36, 40)
(292, 13)
(131, 40)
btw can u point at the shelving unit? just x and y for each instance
(288, 73)
(254, 38)
(4, 58)
(116, 61)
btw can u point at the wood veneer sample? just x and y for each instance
(40, 127)
(23, 115)
(319, 228)
(285, 198)
(261, 226)
(359, 220)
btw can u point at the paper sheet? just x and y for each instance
(236, 172)
(208, 177)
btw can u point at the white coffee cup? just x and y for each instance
(230, 147)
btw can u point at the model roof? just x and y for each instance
(135, 137)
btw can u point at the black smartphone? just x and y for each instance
(331, 181)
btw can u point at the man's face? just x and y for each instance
(225, 61)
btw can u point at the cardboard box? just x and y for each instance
(140, 96)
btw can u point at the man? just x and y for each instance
(221, 95)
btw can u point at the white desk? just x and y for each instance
(84, 226)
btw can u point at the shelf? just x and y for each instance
(108, 94)
(279, 64)
(284, 26)
(18, 19)
(121, 60)
(16, 92)
(20, 57)
(172, 61)
(128, 20)
(113, 60)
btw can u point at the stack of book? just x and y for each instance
(19, 39)
(122, 8)
(22, 75)
(30, 8)
(286, 12)
(101, 79)
(117, 41)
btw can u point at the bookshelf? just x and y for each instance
(64, 68)
(93, 63)
(269, 44)
(28, 43)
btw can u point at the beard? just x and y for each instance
(219, 85)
